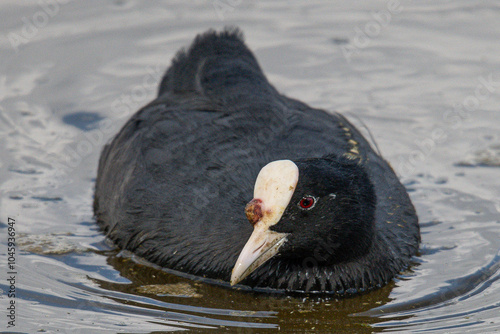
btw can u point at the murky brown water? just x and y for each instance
(423, 77)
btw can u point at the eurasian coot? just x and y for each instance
(327, 213)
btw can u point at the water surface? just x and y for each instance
(423, 77)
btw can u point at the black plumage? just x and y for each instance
(173, 184)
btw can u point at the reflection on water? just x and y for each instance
(426, 82)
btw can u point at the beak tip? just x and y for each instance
(261, 246)
(235, 277)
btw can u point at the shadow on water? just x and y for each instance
(165, 300)
(184, 303)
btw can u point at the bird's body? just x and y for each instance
(173, 184)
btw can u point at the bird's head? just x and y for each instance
(322, 208)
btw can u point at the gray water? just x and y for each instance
(423, 77)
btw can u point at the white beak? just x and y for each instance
(273, 190)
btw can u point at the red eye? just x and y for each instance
(307, 202)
